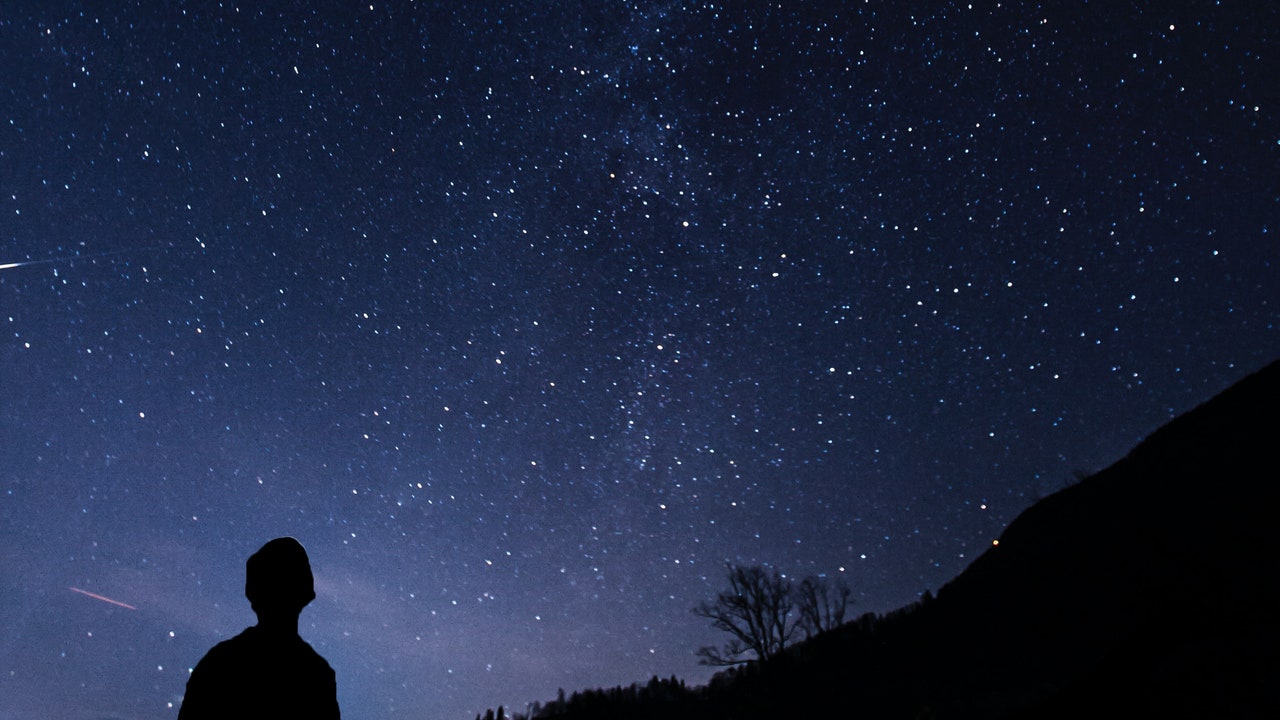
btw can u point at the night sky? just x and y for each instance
(526, 318)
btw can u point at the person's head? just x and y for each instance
(278, 578)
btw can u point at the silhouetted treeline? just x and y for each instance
(731, 693)
(1149, 589)
(635, 700)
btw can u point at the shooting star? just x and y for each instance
(104, 599)
(73, 258)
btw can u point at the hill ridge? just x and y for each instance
(1148, 588)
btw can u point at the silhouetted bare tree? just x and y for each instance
(755, 611)
(821, 604)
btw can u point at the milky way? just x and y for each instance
(527, 318)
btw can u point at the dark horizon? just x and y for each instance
(1093, 603)
(527, 318)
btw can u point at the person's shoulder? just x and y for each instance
(312, 656)
(231, 647)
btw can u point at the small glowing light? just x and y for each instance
(995, 542)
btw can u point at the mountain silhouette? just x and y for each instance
(1149, 589)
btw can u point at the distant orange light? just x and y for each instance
(995, 542)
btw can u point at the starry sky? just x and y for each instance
(528, 317)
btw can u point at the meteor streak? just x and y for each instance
(73, 258)
(104, 599)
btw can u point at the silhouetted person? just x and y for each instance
(267, 671)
